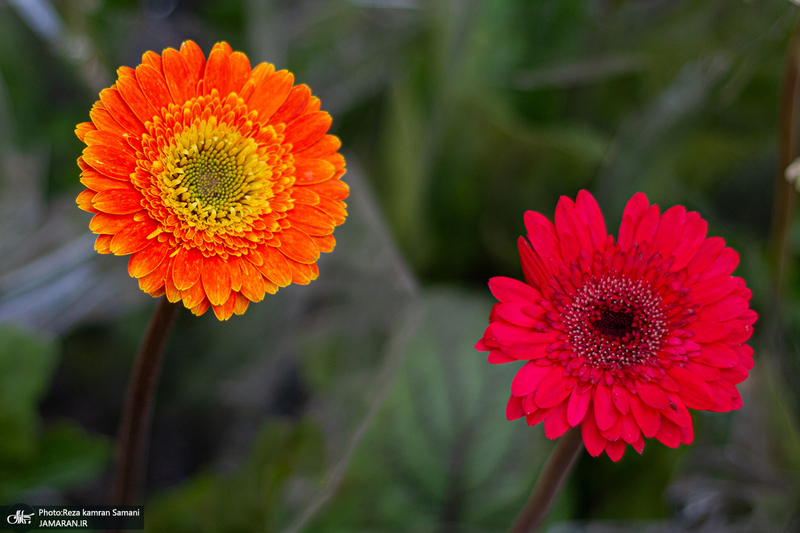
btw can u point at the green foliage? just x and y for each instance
(59, 456)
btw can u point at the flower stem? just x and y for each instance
(554, 474)
(130, 461)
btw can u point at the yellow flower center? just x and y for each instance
(214, 178)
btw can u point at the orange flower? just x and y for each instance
(219, 180)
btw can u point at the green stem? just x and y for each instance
(555, 472)
(134, 427)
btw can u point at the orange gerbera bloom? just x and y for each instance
(218, 179)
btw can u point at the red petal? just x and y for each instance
(706, 255)
(717, 355)
(216, 280)
(652, 395)
(615, 449)
(568, 221)
(694, 392)
(529, 377)
(647, 417)
(712, 290)
(669, 434)
(634, 211)
(604, 411)
(631, 433)
(543, 238)
(620, 397)
(514, 408)
(694, 233)
(677, 412)
(708, 331)
(511, 290)
(592, 439)
(553, 389)
(592, 217)
(578, 404)
(556, 424)
(670, 227)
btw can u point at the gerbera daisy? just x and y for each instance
(621, 337)
(218, 179)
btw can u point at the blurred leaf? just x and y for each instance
(441, 445)
(258, 496)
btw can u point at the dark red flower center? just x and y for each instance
(615, 322)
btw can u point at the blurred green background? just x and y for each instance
(357, 403)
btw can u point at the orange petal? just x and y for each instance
(200, 308)
(311, 171)
(224, 311)
(119, 110)
(333, 189)
(84, 201)
(252, 282)
(177, 75)
(128, 87)
(133, 238)
(302, 195)
(275, 267)
(328, 144)
(307, 130)
(147, 260)
(216, 279)
(103, 244)
(223, 46)
(298, 246)
(334, 208)
(293, 106)
(337, 160)
(304, 274)
(186, 268)
(218, 73)
(153, 86)
(153, 283)
(104, 121)
(313, 105)
(271, 94)
(84, 127)
(195, 61)
(193, 295)
(110, 224)
(241, 304)
(92, 179)
(118, 201)
(170, 290)
(325, 244)
(153, 60)
(240, 71)
(310, 220)
(108, 138)
(236, 273)
(112, 162)
(260, 73)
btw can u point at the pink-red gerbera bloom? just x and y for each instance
(621, 337)
(219, 180)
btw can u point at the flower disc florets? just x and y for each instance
(218, 179)
(621, 337)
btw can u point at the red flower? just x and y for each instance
(621, 337)
(218, 179)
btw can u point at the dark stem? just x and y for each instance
(554, 474)
(134, 427)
